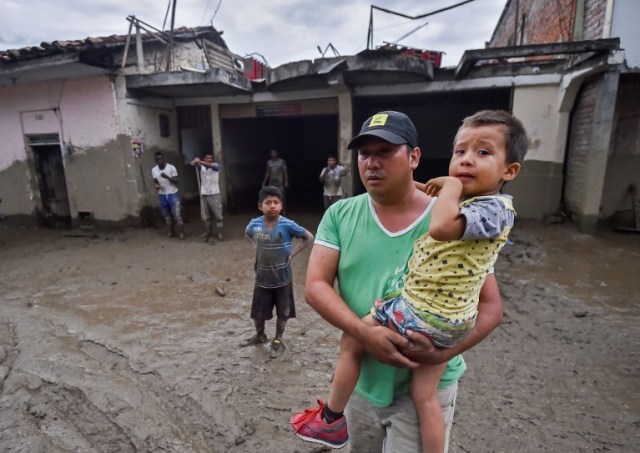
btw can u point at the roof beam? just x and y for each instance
(471, 57)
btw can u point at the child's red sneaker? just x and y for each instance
(309, 426)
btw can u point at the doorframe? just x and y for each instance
(32, 142)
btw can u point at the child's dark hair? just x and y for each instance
(269, 191)
(516, 139)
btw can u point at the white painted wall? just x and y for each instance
(537, 108)
(139, 120)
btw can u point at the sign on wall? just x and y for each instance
(283, 109)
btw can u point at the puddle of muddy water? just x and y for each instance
(603, 271)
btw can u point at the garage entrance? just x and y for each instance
(304, 142)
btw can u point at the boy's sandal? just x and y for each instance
(256, 339)
(277, 348)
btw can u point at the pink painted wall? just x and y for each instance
(81, 111)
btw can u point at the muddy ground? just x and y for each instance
(117, 342)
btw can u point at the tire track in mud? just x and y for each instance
(115, 407)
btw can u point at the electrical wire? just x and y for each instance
(205, 12)
(215, 12)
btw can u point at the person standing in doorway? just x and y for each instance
(331, 178)
(165, 177)
(210, 194)
(276, 174)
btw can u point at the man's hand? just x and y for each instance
(386, 345)
(423, 351)
(420, 348)
(195, 161)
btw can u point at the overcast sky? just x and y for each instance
(280, 30)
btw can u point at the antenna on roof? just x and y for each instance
(406, 35)
(370, 32)
(329, 46)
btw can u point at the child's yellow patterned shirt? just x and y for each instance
(445, 277)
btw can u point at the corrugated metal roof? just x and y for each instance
(60, 47)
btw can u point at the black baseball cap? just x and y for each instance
(394, 127)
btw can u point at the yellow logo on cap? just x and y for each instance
(379, 119)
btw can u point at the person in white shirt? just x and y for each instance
(165, 177)
(209, 194)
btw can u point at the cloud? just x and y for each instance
(281, 30)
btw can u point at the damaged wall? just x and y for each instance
(589, 145)
(185, 55)
(139, 120)
(623, 168)
(96, 125)
(82, 113)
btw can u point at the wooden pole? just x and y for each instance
(173, 20)
(126, 46)
(139, 51)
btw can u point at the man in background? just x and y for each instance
(210, 201)
(165, 177)
(331, 178)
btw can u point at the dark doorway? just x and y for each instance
(54, 202)
(304, 142)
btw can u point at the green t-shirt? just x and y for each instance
(372, 263)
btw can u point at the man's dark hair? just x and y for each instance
(269, 191)
(158, 153)
(332, 156)
(516, 140)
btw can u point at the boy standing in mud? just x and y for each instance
(272, 234)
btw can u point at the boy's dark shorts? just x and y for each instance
(264, 299)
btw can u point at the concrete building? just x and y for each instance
(91, 115)
(72, 134)
(598, 108)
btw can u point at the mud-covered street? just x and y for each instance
(118, 341)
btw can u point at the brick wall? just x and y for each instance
(579, 145)
(547, 21)
(503, 34)
(594, 11)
